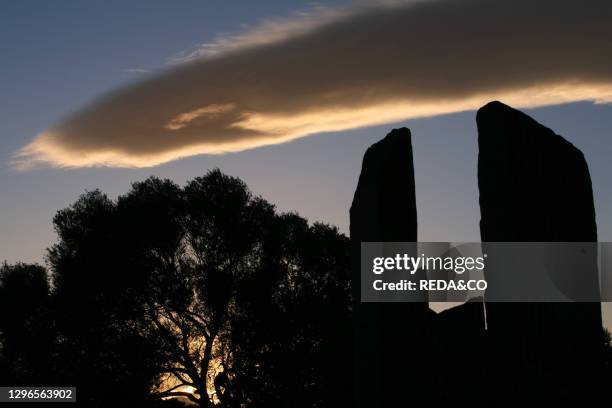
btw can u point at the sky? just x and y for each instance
(59, 57)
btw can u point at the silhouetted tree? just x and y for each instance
(26, 325)
(202, 292)
(206, 244)
(104, 346)
(307, 361)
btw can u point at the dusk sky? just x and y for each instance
(59, 57)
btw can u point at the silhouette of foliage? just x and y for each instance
(309, 294)
(26, 325)
(203, 293)
(103, 346)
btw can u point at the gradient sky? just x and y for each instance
(57, 56)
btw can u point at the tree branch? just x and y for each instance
(187, 395)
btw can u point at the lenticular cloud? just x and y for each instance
(337, 69)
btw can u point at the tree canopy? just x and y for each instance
(203, 292)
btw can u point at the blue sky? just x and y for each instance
(57, 56)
